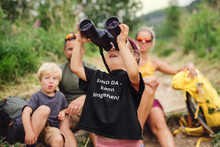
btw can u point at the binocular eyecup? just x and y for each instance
(102, 38)
(112, 25)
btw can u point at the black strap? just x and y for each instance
(103, 58)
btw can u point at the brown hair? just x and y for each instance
(134, 50)
(71, 38)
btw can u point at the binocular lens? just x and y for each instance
(86, 26)
(87, 29)
(112, 24)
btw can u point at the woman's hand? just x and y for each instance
(192, 70)
(152, 82)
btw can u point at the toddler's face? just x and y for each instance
(49, 83)
(113, 59)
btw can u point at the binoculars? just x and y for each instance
(102, 38)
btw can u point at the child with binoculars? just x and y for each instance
(112, 99)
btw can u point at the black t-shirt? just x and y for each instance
(110, 108)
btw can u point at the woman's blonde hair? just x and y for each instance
(149, 29)
(49, 69)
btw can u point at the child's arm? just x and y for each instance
(30, 137)
(62, 114)
(76, 59)
(130, 63)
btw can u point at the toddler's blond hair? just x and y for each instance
(49, 69)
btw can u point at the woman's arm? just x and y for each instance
(168, 69)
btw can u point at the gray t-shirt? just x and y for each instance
(55, 103)
(69, 85)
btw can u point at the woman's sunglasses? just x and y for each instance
(147, 39)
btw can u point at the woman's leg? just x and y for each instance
(157, 123)
(145, 106)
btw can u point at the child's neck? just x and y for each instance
(111, 69)
(51, 94)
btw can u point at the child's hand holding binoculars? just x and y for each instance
(80, 37)
(122, 37)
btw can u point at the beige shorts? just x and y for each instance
(47, 132)
(75, 122)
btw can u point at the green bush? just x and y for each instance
(16, 59)
(200, 32)
(164, 47)
(216, 140)
(166, 52)
(25, 46)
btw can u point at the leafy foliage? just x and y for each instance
(216, 140)
(14, 8)
(155, 19)
(3, 23)
(164, 48)
(16, 59)
(100, 10)
(171, 25)
(34, 31)
(165, 21)
(166, 52)
(85, 141)
(56, 13)
(212, 3)
(200, 32)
